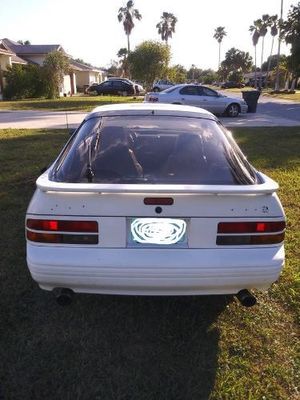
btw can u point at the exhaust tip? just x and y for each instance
(246, 298)
(64, 296)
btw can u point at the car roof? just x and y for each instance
(150, 109)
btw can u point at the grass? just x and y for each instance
(133, 348)
(83, 103)
(286, 96)
(266, 92)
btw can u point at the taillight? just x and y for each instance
(62, 225)
(251, 227)
(62, 231)
(250, 233)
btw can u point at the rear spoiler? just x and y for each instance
(268, 186)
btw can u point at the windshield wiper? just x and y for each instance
(89, 169)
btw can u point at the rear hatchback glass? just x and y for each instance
(153, 149)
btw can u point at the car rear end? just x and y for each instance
(160, 233)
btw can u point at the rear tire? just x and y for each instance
(233, 110)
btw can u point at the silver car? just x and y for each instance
(199, 96)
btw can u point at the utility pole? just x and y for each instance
(278, 53)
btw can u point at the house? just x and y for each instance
(80, 75)
(86, 74)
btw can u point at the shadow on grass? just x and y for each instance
(101, 347)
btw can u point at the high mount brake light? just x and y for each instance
(250, 233)
(158, 201)
(53, 231)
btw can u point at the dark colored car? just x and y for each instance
(232, 84)
(113, 87)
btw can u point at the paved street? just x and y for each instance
(270, 112)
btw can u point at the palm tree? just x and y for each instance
(166, 26)
(127, 15)
(263, 29)
(219, 35)
(255, 37)
(273, 21)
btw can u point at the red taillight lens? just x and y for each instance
(62, 225)
(251, 227)
(54, 231)
(250, 233)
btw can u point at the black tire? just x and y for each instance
(233, 110)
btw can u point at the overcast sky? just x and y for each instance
(90, 30)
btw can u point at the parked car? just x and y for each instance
(162, 84)
(232, 84)
(199, 96)
(154, 199)
(139, 90)
(113, 87)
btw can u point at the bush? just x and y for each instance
(23, 81)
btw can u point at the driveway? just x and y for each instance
(270, 112)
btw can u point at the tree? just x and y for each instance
(254, 29)
(122, 54)
(177, 74)
(236, 61)
(291, 33)
(55, 66)
(149, 61)
(81, 61)
(112, 68)
(219, 35)
(127, 15)
(263, 30)
(25, 42)
(166, 26)
(273, 23)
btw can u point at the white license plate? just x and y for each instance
(161, 232)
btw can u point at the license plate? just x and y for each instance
(161, 232)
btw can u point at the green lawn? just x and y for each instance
(266, 92)
(286, 96)
(134, 348)
(82, 103)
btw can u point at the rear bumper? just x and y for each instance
(154, 271)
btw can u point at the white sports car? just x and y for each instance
(199, 96)
(154, 199)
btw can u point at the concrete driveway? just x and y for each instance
(270, 112)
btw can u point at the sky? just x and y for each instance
(90, 29)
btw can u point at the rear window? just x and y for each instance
(153, 149)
